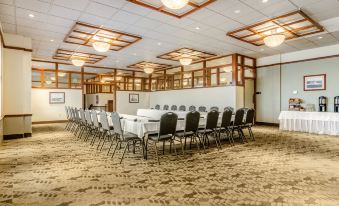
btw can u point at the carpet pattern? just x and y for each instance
(279, 168)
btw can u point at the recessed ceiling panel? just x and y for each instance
(192, 6)
(67, 55)
(293, 25)
(143, 65)
(86, 34)
(195, 55)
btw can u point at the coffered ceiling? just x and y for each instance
(47, 22)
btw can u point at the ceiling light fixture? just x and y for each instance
(320, 37)
(52, 40)
(53, 78)
(237, 11)
(31, 15)
(78, 62)
(175, 4)
(264, 1)
(185, 60)
(61, 74)
(197, 28)
(100, 45)
(148, 70)
(275, 39)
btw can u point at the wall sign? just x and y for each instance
(315, 82)
(133, 98)
(57, 97)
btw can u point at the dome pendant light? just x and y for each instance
(148, 70)
(175, 4)
(185, 60)
(101, 46)
(78, 62)
(274, 39)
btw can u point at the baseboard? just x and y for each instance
(50, 122)
(267, 124)
(17, 136)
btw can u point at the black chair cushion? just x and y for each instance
(156, 137)
(184, 134)
(130, 136)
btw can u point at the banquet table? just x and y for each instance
(156, 114)
(311, 122)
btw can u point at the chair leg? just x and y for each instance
(182, 147)
(156, 151)
(123, 154)
(115, 149)
(251, 133)
(163, 147)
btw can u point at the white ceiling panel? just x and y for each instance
(204, 30)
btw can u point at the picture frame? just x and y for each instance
(315, 82)
(57, 98)
(133, 98)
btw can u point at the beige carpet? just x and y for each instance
(279, 168)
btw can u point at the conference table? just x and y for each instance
(311, 122)
(156, 114)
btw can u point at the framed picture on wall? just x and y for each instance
(315, 82)
(133, 98)
(57, 97)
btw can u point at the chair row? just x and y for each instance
(190, 108)
(86, 125)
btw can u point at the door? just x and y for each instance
(249, 93)
(110, 105)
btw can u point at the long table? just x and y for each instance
(311, 122)
(156, 114)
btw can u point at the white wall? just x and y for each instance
(208, 97)
(17, 84)
(123, 105)
(277, 85)
(43, 111)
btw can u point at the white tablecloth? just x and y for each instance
(156, 114)
(311, 122)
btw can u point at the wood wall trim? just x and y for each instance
(18, 115)
(299, 61)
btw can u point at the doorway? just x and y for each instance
(249, 96)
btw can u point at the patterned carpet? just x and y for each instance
(279, 168)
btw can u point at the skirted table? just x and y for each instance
(311, 122)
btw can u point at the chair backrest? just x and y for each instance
(168, 123)
(250, 116)
(76, 114)
(88, 117)
(166, 107)
(212, 119)
(202, 109)
(67, 112)
(239, 117)
(226, 118)
(192, 108)
(95, 118)
(174, 107)
(82, 115)
(229, 108)
(192, 121)
(117, 124)
(215, 109)
(104, 121)
(157, 107)
(182, 108)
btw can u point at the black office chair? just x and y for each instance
(182, 108)
(225, 125)
(192, 108)
(215, 109)
(191, 128)
(237, 125)
(202, 109)
(249, 122)
(210, 128)
(229, 108)
(174, 107)
(168, 125)
(157, 107)
(166, 107)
